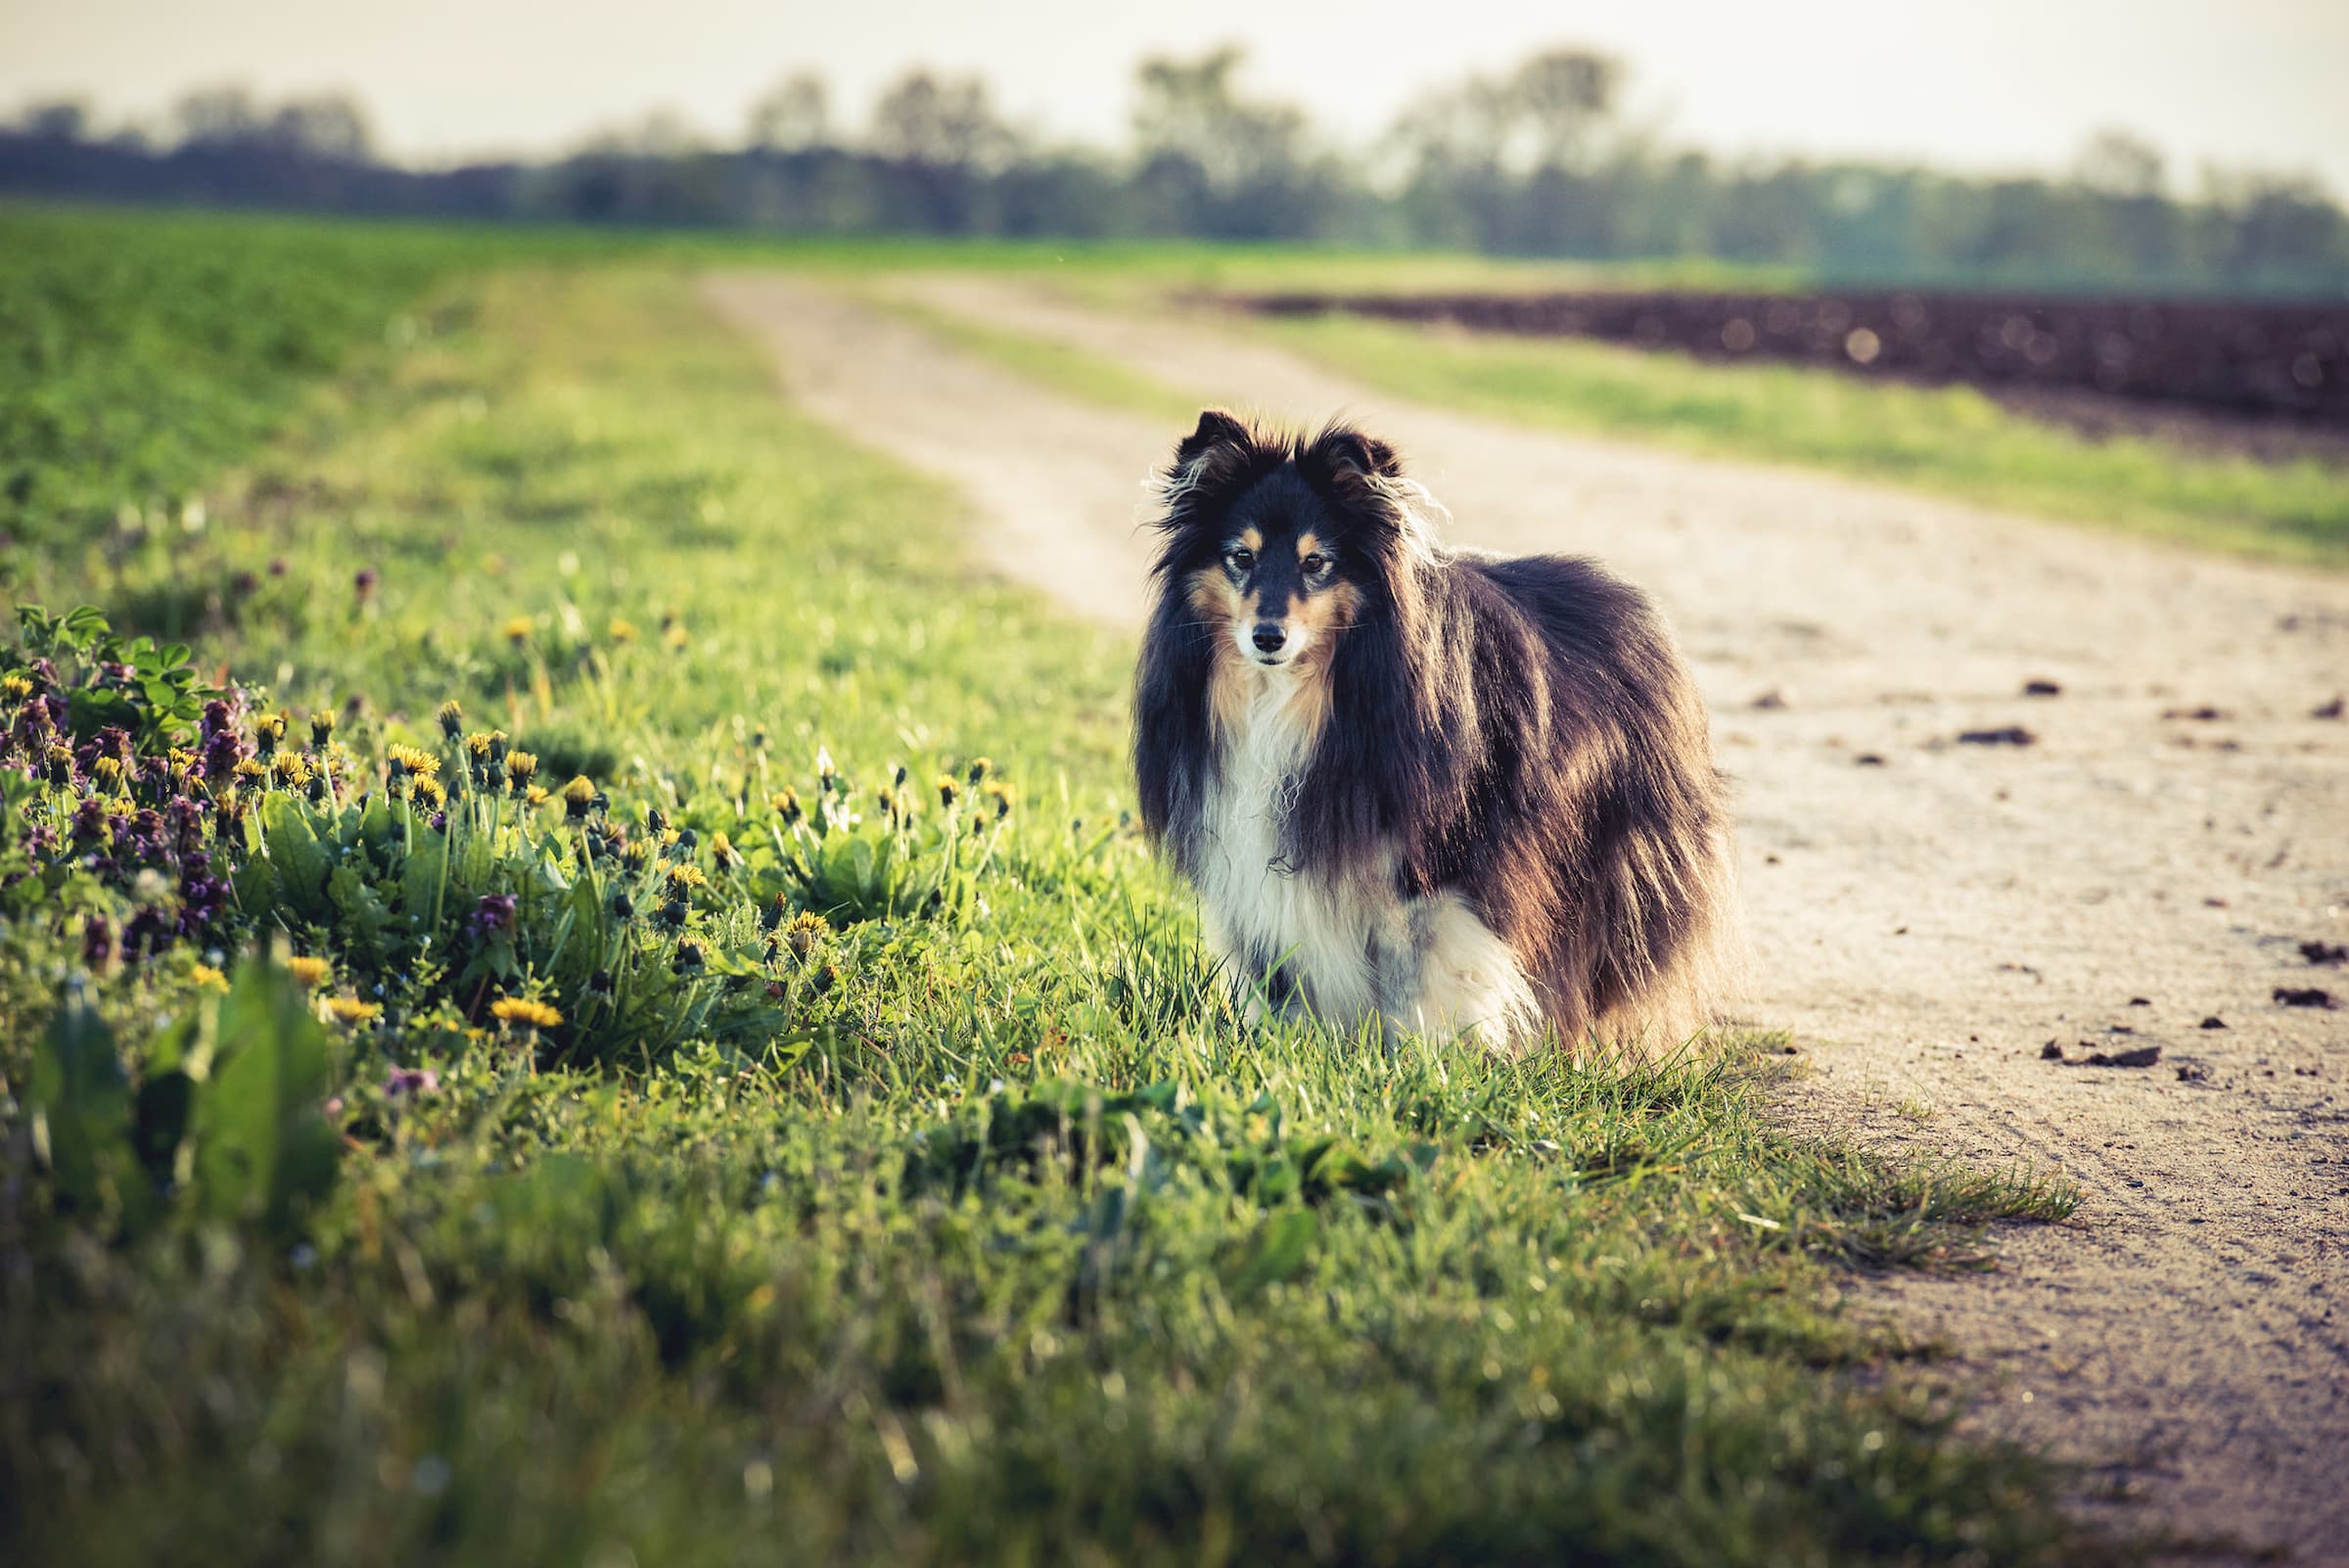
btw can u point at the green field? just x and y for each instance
(415, 1160)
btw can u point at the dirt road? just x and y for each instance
(1927, 913)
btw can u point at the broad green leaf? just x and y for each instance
(263, 1149)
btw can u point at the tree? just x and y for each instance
(62, 120)
(329, 125)
(792, 117)
(212, 117)
(2119, 163)
(942, 123)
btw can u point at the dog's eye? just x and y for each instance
(1313, 565)
(1241, 558)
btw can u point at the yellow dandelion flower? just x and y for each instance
(518, 628)
(525, 1012)
(683, 879)
(311, 972)
(579, 796)
(430, 792)
(521, 768)
(206, 978)
(999, 794)
(350, 1010)
(16, 688)
(409, 758)
(621, 631)
(249, 768)
(806, 929)
(676, 637)
(536, 795)
(721, 850)
(291, 769)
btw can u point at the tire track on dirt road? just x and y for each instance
(1926, 913)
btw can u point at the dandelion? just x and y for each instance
(521, 768)
(684, 879)
(312, 973)
(15, 688)
(676, 637)
(578, 796)
(826, 978)
(637, 854)
(807, 928)
(788, 806)
(106, 773)
(452, 718)
(721, 850)
(654, 822)
(536, 796)
(689, 960)
(353, 1011)
(518, 629)
(204, 977)
(322, 727)
(823, 768)
(525, 1012)
(621, 631)
(428, 791)
(291, 769)
(977, 770)
(248, 770)
(624, 907)
(999, 794)
(60, 762)
(267, 731)
(949, 790)
(412, 759)
(319, 786)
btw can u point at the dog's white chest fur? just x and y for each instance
(1348, 942)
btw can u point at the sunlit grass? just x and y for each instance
(1019, 1245)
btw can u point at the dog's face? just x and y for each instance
(1278, 585)
(1280, 550)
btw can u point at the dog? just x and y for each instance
(1458, 793)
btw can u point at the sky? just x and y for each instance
(1987, 85)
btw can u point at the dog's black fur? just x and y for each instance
(1519, 734)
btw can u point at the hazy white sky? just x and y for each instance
(1987, 84)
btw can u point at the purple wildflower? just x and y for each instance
(223, 753)
(187, 824)
(148, 932)
(97, 942)
(412, 1082)
(217, 719)
(364, 584)
(493, 915)
(202, 895)
(89, 819)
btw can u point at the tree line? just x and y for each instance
(1539, 160)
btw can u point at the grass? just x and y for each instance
(1078, 374)
(1950, 441)
(979, 1230)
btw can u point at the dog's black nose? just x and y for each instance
(1270, 636)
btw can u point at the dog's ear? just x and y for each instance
(1340, 452)
(1216, 427)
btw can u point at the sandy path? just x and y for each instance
(1925, 922)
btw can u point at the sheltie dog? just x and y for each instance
(1460, 794)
